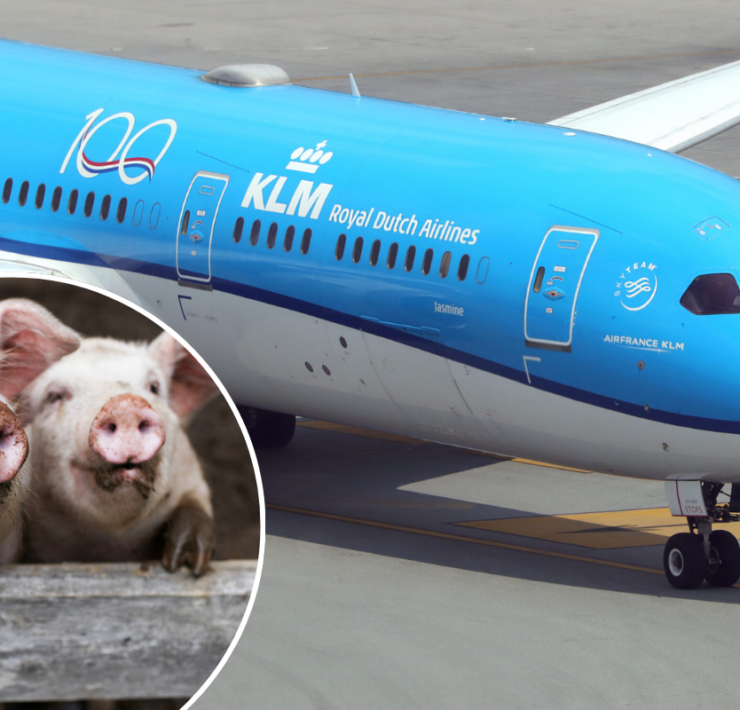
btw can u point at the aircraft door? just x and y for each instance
(196, 225)
(554, 284)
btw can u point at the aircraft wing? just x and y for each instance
(672, 116)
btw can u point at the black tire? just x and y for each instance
(724, 563)
(268, 430)
(684, 561)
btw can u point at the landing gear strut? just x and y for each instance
(690, 558)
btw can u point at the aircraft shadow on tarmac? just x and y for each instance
(351, 492)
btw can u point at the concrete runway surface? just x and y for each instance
(374, 595)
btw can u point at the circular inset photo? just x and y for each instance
(131, 508)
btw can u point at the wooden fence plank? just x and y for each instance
(106, 631)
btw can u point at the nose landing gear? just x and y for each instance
(690, 558)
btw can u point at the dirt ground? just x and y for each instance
(214, 432)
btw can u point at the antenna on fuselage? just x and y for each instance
(353, 84)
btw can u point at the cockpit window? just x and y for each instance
(712, 294)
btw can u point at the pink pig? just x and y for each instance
(31, 339)
(112, 466)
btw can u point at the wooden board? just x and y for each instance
(124, 630)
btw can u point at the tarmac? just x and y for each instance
(403, 574)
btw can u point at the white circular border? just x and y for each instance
(261, 558)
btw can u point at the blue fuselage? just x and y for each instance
(616, 232)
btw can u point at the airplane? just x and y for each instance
(566, 293)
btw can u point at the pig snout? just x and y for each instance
(13, 444)
(127, 430)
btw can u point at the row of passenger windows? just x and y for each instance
(105, 205)
(73, 200)
(272, 234)
(409, 258)
(426, 264)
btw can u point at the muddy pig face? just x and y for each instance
(30, 340)
(106, 430)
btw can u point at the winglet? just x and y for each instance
(353, 84)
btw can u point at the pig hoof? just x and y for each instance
(189, 540)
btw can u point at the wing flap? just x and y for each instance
(672, 116)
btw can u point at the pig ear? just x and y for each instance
(31, 339)
(190, 384)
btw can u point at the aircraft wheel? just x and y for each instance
(724, 562)
(268, 430)
(684, 561)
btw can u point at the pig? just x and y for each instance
(114, 474)
(31, 339)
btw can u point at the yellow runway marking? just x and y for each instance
(598, 531)
(531, 65)
(339, 454)
(357, 431)
(527, 461)
(459, 538)
(372, 434)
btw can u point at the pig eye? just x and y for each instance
(154, 387)
(54, 396)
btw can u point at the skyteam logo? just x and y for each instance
(306, 200)
(308, 160)
(119, 160)
(637, 286)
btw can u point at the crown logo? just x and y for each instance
(307, 160)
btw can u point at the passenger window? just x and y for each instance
(138, 212)
(375, 252)
(482, 272)
(40, 192)
(105, 208)
(238, 228)
(410, 256)
(712, 295)
(538, 279)
(306, 241)
(89, 202)
(271, 234)
(357, 250)
(392, 254)
(23, 194)
(72, 203)
(255, 234)
(185, 223)
(289, 234)
(154, 215)
(121, 213)
(462, 270)
(444, 265)
(426, 265)
(56, 199)
(339, 250)
(7, 190)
